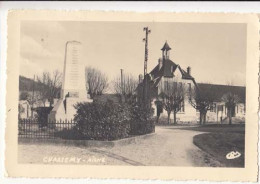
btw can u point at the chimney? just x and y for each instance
(160, 62)
(140, 78)
(188, 70)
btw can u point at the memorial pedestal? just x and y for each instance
(64, 109)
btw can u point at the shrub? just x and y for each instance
(141, 120)
(42, 115)
(102, 121)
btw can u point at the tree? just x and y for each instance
(201, 100)
(24, 95)
(126, 86)
(230, 100)
(172, 96)
(97, 82)
(50, 86)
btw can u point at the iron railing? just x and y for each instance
(32, 128)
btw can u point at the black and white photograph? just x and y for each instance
(170, 94)
(151, 93)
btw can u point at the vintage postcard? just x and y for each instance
(168, 96)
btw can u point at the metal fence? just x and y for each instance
(32, 128)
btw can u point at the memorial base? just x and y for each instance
(64, 110)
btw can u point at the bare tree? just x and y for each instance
(172, 97)
(230, 100)
(50, 86)
(201, 100)
(43, 87)
(24, 95)
(125, 86)
(97, 82)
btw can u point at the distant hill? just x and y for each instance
(27, 84)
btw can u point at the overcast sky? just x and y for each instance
(216, 53)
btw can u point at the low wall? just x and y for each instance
(87, 143)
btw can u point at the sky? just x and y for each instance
(215, 52)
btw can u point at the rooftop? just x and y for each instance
(218, 90)
(166, 47)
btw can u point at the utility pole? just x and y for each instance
(147, 31)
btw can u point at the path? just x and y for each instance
(170, 146)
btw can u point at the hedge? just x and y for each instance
(103, 121)
(111, 121)
(141, 120)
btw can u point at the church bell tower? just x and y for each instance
(166, 51)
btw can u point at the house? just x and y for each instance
(218, 111)
(166, 73)
(24, 109)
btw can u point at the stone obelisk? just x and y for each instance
(73, 85)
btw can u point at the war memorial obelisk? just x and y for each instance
(73, 85)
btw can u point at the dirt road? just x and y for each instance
(169, 146)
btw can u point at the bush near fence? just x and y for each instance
(103, 121)
(93, 121)
(111, 121)
(142, 121)
(42, 115)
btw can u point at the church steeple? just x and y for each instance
(165, 51)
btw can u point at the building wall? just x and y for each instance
(189, 114)
(216, 114)
(24, 109)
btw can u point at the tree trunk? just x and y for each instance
(31, 113)
(230, 117)
(201, 118)
(174, 117)
(169, 119)
(157, 120)
(204, 118)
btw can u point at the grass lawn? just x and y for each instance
(220, 140)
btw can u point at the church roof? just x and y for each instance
(166, 47)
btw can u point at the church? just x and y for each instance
(168, 72)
